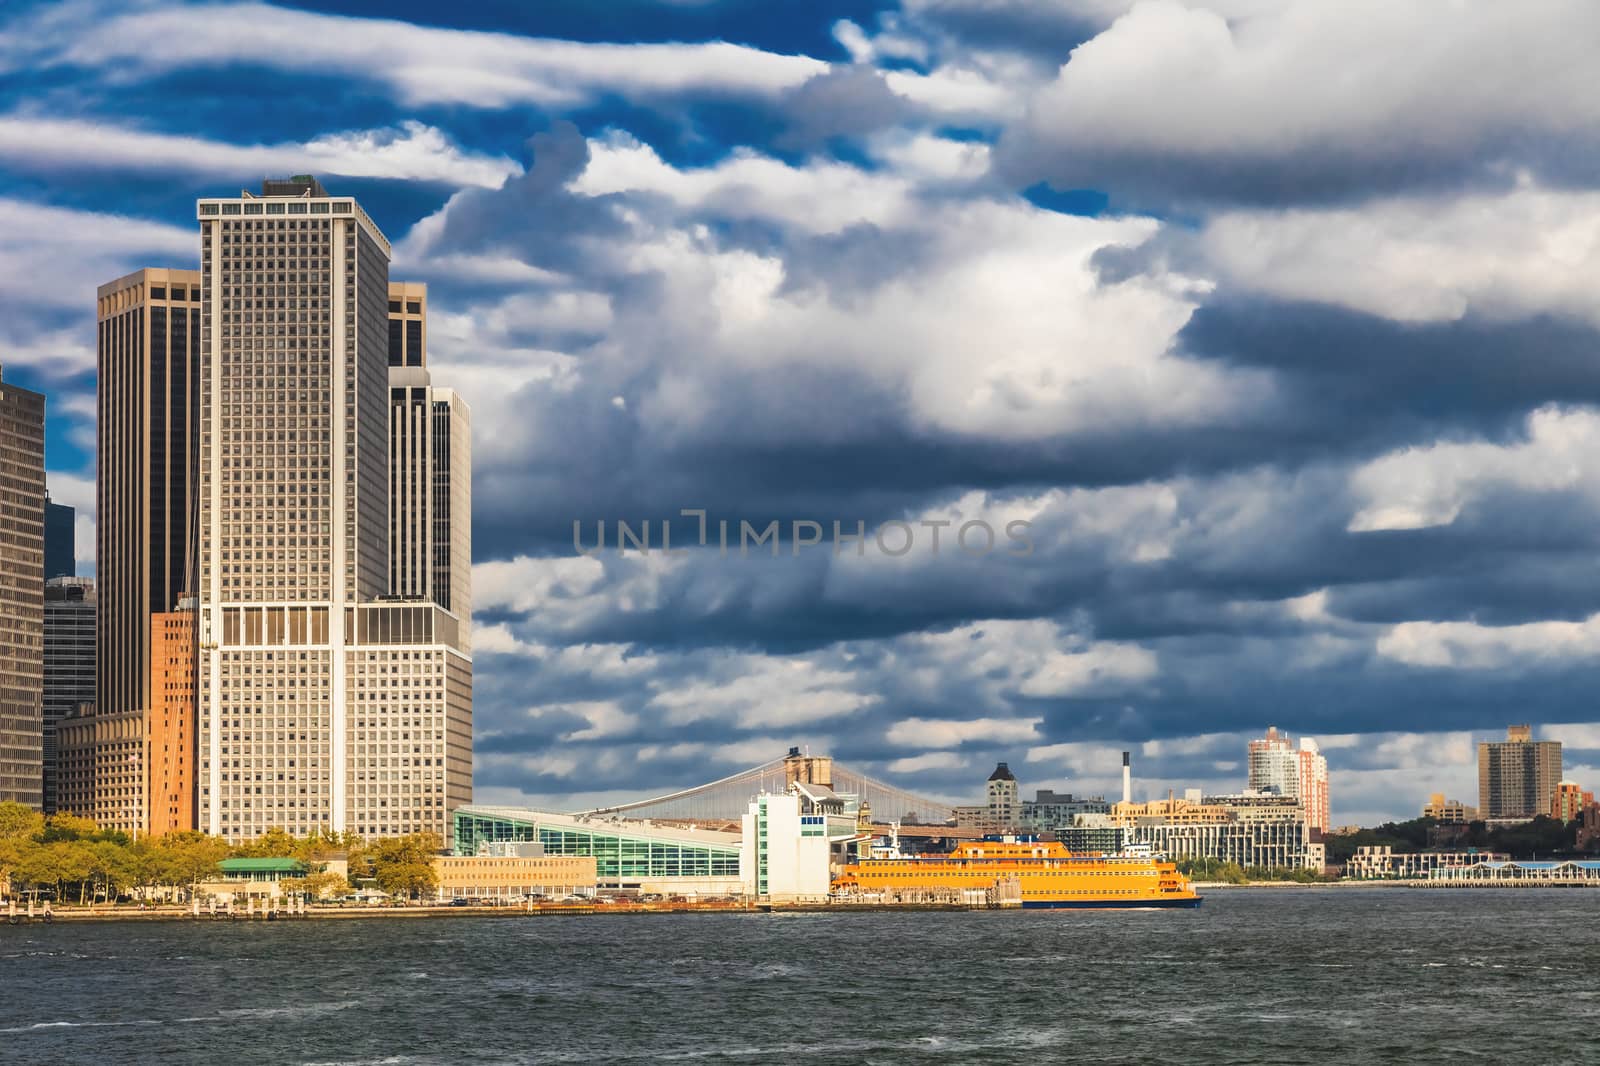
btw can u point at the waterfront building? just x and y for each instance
(1251, 829)
(60, 539)
(1521, 872)
(1589, 827)
(1050, 811)
(1517, 776)
(513, 876)
(329, 699)
(1382, 862)
(784, 850)
(169, 754)
(69, 657)
(1277, 764)
(1001, 808)
(630, 856)
(247, 880)
(21, 595)
(1568, 801)
(147, 401)
(1092, 834)
(1448, 811)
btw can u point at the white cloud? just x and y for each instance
(86, 249)
(414, 152)
(933, 760)
(1422, 258)
(1365, 79)
(940, 733)
(1429, 486)
(758, 692)
(424, 65)
(1470, 646)
(819, 196)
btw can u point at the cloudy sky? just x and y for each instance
(1276, 319)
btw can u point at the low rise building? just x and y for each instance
(1050, 811)
(1250, 829)
(630, 855)
(244, 880)
(1502, 871)
(1383, 863)
(1448, 811)
(509, 876)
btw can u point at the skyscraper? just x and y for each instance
(145, 483)
(60, 540)
(1517, 776)
(1273, 765)
(1313, 774)
(21, 594)
(69, 655)
(1276, 764)
(430, 468)
(326, 702)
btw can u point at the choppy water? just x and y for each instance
(1292, 976)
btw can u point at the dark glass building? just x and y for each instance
(60, 541)
(69, 654)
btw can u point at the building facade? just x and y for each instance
(430, 468)
(1568, 801)
(1001, 808)
(21, 595)
(1050, 811)
(506, 878)
(69, 658)
(1276, 764)
(1382, 862)
(784, 850)
(60, 540)
(170, 722)
(148, 353)
(324, 702)
(630, 856)
(102, 773)
(1448, 811)
(1517, 776)
(1250, 829)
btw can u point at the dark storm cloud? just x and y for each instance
(846, 102)
(533, 216)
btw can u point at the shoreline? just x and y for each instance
(316, 914)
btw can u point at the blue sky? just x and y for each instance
(1275, 319)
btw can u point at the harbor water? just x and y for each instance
(1255, 976)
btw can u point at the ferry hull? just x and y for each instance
(1110, 904)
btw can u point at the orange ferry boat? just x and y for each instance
(1047, 874)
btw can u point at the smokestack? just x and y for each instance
(1127, 780)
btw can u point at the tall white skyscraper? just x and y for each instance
(325, 701)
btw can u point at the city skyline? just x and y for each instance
(1305, 437)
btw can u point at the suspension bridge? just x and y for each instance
(726, 798)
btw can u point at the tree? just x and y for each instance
(18, 822)
(67, 826)
(275, 843)
(189, 857)
(403, 866)
(325, 886)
